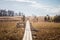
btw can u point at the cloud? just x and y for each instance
(54, 10)
(42, 6)
(46, 8)
(29, 1)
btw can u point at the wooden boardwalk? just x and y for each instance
(27, 34)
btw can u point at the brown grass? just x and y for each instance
(45, 25)
(9, 30)
(46, 31)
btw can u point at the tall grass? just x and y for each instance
(9, 31)
(46, 31)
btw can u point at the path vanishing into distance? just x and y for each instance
(27, 34)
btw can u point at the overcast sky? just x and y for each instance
(32, 7)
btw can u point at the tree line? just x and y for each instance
(56, 18)
(10, 13)
(48, 18)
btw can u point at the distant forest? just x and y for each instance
(50, 19)
(9, 13)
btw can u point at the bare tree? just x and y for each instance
(10, 13)
(3, 13)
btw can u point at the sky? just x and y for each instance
(32, 7)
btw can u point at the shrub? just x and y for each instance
(57, 18)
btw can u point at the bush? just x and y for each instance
(57, 18)
(47, 18)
